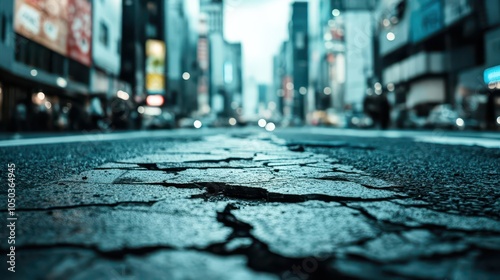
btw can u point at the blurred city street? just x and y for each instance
(244, 203)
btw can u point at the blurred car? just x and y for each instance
(358, 120)
(201, 122)
(186, 123)
(468, 123)
(330, 117)
(443, 116)
(156, 118)
(414, 120)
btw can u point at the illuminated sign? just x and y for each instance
(492, 75)
(155, 66)
(155, 100)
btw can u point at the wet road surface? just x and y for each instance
(241, 204)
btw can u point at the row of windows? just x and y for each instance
(39, 57)
(3, 28)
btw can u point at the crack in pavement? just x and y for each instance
(260, 258)
(424, 226)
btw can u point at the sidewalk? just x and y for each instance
(241, 208)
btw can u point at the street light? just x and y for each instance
(40, 95)
(391, 36)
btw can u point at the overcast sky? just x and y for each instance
(261, 26)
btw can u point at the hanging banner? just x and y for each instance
(80, 31)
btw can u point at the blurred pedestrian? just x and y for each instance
(378, 108)
(371, 108)
(20, 117)
(490, 111)
(74, 116)
(96, 113)
(384, 111)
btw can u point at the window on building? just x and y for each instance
(78, 72)
(3, 28)
(119, 46)
(21, 54)
(103, 34)
(152, 8)
(57, 64)
(300, 40)
(151, 31)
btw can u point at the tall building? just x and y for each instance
(233, 79)
(298, 30)
(134, 46)
(436, 52)
(107, 27)
(212, 12)
(45, 71)
(182, 23)
(283, 85)
(220, 82)
(341, 54)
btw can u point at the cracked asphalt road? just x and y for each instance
(246, 205)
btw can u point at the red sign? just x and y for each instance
(80, 31)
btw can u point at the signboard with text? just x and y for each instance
(63, 26)
(426, 19)
(492, 75)
(43, 21)
(155, 66)
(80, 31)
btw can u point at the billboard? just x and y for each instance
(43, 21)
(79, 31)
(492, 75)
(107, 35)
(155, 66)
(63, 26)
(456, 9)
(426, 19)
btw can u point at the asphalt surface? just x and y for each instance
(245, 204)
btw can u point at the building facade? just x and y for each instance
(437, 52)
(43, 71)
(298, 34)
(341, 60)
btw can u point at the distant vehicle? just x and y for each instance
(156, 118)
(358, 120)
(201, 122)
(443, 116)
(330, 117)
(469, 123)
(186, 123)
